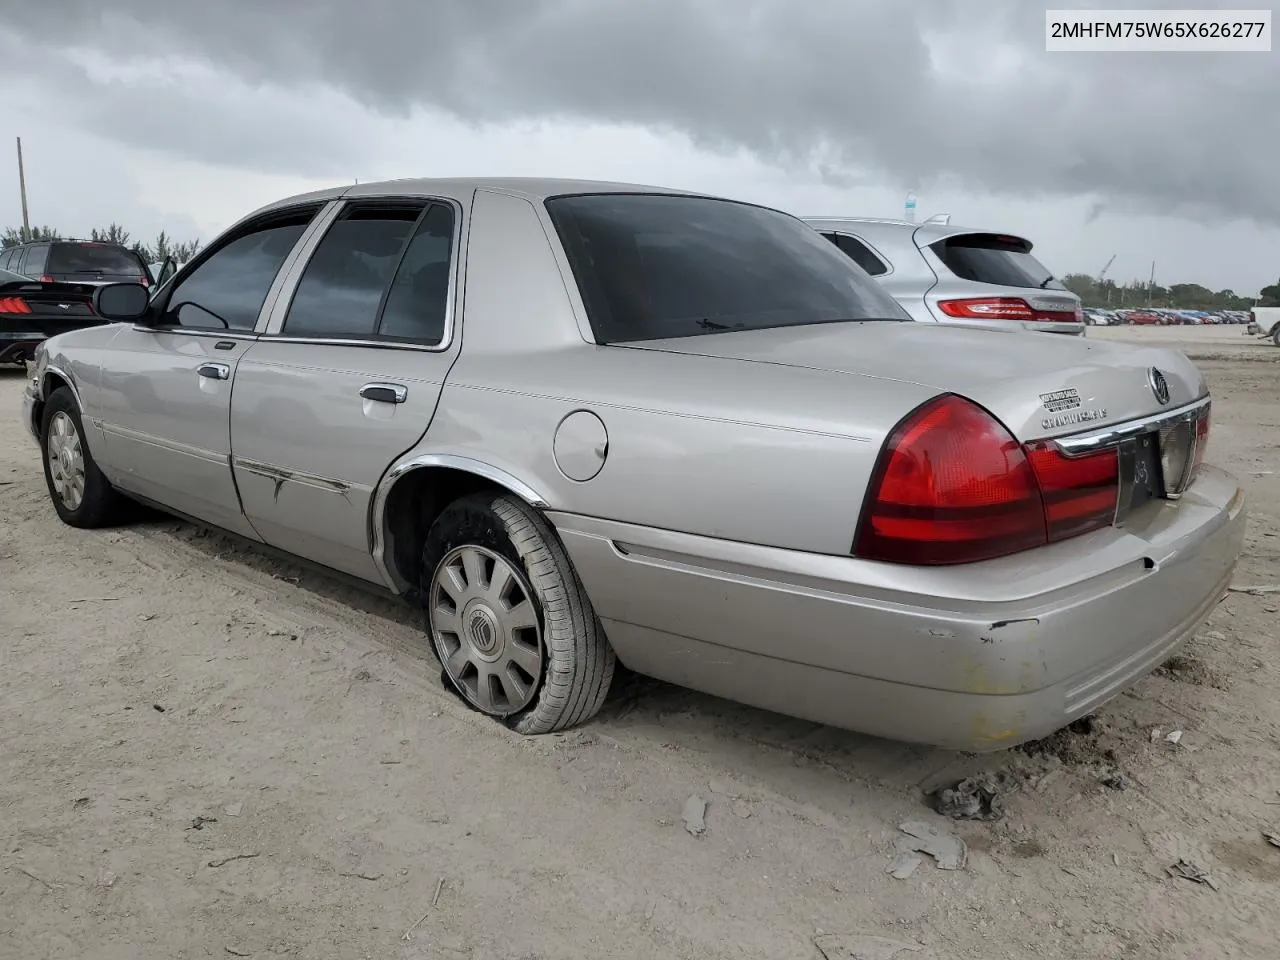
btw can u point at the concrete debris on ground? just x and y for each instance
(1114, 780)
(904, 866)
(694, 815)
(1191, 871)
(1272, 837)
(976, 798)
(1258, 591)
(948, 851)
(834, 946)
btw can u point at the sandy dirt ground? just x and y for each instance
(205, 753)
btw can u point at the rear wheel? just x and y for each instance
(1275, 336)
(81, 495)
(509, 619)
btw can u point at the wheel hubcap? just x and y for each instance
(485, 628)
(66, 460)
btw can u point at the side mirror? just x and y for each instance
(121, 301)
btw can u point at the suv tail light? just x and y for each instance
(1007, 308)
(45, 278)
(13, 305)
(953, 485)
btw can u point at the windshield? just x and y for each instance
(991, 258)
(656, 266)
(93, 258)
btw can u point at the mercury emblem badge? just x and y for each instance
(1159, 386)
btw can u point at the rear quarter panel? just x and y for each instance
(761, 453)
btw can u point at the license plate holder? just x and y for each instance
(1144, 480)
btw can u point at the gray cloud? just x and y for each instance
(905, 91)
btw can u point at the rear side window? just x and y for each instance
(380, 272)
(92, 258)
(34, 263)
(341, 289)
(993, 258)
(227, 289)
(859, 253)
(419, 296)
(655, 266)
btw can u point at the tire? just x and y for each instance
(98, 503)
(576, 663)
(1275, 336)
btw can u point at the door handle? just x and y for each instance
(385, 392)
(214, 371)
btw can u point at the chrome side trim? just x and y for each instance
(280, 476)
(1082, 443)
(198, 452)
(344, 342)
(247, 336)
(377, 513)
(66, 378)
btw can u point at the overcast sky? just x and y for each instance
(186, 114)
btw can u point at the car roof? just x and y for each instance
(923, 233)
(529, 188)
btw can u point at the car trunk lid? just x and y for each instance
(1037, 386)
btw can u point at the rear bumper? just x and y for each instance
(975, 658)
(20, 346)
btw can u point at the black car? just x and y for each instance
(33, 310)
(75, 261)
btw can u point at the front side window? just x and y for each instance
(652, 266)
(227, 290)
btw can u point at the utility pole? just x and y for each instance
(1151, 284)
(22, 186)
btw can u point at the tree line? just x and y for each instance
(1094, 292)
(160, 249)
(1179, 296)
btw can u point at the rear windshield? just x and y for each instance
(992, 258)
(92, 258)
(656, 266)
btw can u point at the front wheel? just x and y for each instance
(509, 619)
(1275, 336)
(81, 495)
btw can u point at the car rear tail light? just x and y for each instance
(13, 305)
(1079, 493)
(1202, 441)
(1006, 308)
(952, 486)
(144, 281)
(45, 278)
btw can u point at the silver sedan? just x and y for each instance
(583, 421)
